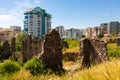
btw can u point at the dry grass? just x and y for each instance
(109, 70)
(104, 71)
(76, 49)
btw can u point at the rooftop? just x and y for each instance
(36, 10)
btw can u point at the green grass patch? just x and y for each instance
(73, 45)
(113, 50)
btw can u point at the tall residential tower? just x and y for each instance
(37, 22)
(113, 28)
(60, 29)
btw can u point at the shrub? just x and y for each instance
(9, 67)
(35, 66)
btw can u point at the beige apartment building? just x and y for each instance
(7, 34)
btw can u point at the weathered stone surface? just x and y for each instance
(101, 48)
(93, 51)
(118, 41)
(37, 45)
(52, 51)
(13, 47)
(31, 46)
(6, 50)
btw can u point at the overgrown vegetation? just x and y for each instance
(9, 67)
(104, 71)
(34, 69)
(73, 45)
(113, 50)
(35, 66)
(19, 38)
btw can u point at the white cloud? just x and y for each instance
(8, 20)
(24, 4)
(15, 16)
(4, 17)
(1, 9)
(37, 1)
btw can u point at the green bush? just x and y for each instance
(35, 66)
(9, 67)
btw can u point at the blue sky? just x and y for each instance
(69, 13)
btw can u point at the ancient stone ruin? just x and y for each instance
(118, 41)
(6, 50)
(101, 48)
(13, 47)
(52, 51)
(31, 46)
(93, 51)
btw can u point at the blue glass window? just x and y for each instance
(31, 16)
(26, 17)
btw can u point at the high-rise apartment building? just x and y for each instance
(60, 29)
(73, 33)
(37, 22)
(103, 27)
(113, 28)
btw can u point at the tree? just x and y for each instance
(20, 38)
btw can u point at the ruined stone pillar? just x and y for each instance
(52, 51)
(13, 47)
